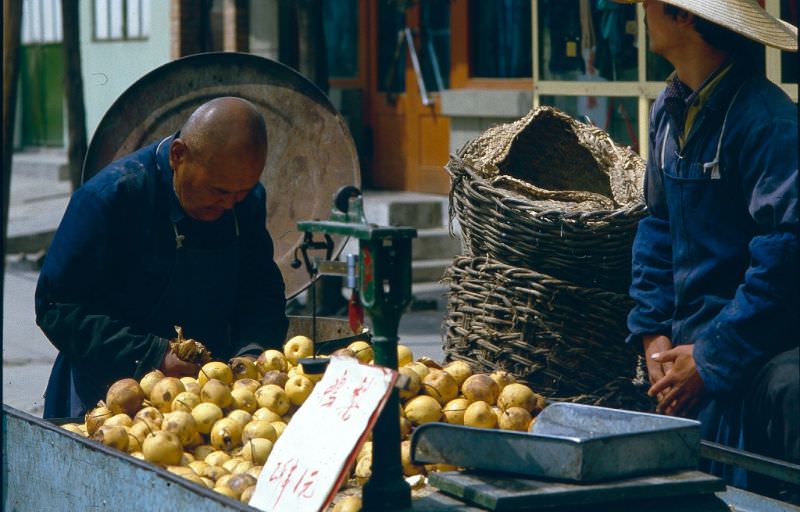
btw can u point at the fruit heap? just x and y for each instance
(218, 429)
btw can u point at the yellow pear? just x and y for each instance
(259, 429)
(250, 384)
(191, 385)
(502, 378)
(480, 414)
(515, 418)
(298, 388)
(520, 395)
(215, 370)
(243, 368)
(459, 370)
(362, 350)
(273, 398)
(164, 392)
(216, 392)
(418, 367)
(270, 360)
(185, 401)
(240, 416)
(440, 385)
(423, 409)
(297, 348)
(205, 414)
(480, 387)
(244, 399)
(454, 410)
(414, 383)
(409, 468)
(404, 355)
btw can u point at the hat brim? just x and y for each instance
(745, 17)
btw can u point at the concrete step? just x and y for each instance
(434, 243)
(421, 211)
(426, 271)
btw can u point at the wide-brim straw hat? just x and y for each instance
(745, 17)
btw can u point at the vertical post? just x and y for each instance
(12, 26)
(385, 278)
(73, 88)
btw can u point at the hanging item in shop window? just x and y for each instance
(616, 45)
(563, 22)
(590, 108)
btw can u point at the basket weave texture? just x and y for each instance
(548, 209)
(564, 340)
(583, 236)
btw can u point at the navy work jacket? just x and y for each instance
(716, 261)
(114, 255)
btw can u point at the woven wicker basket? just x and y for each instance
(552, 194)
(566, 341)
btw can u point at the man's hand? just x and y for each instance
(681, 389)
(654, 344)
(173, 366)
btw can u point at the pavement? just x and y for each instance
(38, 199)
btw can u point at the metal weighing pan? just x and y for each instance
(572, 442)
(311, 153)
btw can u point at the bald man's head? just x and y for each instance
(218, 157)
(225, 127)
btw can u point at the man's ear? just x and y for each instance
(685, 19)
(177, 152)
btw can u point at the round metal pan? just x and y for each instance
(311, 153)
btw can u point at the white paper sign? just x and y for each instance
(309, 461)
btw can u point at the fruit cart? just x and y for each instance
(46, 467)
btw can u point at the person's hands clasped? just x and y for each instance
(655, 344)
(173, 366)
(681, 388)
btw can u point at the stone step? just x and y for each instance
(425, 271)
(434, 243)
(421, 211)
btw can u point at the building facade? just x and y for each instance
(415, 79)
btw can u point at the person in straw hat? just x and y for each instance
(716, 261)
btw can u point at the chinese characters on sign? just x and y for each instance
(310, 459)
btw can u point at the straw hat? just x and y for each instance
(744, 17)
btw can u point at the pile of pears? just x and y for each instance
(217, 429)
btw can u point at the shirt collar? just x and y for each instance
(679, 96)
(166, 176)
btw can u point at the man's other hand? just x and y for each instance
(173, 366)
(654, 344)
(681, 388)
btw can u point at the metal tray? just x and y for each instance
(569, 442)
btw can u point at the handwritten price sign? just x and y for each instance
(310, 460)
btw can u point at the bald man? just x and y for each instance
(172, 234)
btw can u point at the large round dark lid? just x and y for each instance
(311, 153)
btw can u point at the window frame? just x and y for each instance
(642, 89)
(124, 37)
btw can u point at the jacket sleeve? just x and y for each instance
(752, 326)
(652, 287)
(70, 309)
(261, 321)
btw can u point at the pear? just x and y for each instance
(454, 410)
(480, 414)
(520, 395)
(459, 370)
(423, 409)
(440, 385)
(515, 418)
(480, 387)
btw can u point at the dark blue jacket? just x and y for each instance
(716, 261)
(112, 257)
